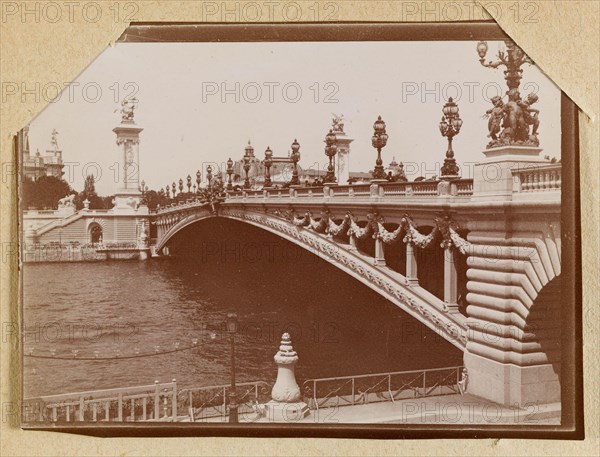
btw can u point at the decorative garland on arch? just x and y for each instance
(320, 225)
(386, 236)
(416, 238)
(301, 221)
(358, 232)
(335, 229)
(459, 243)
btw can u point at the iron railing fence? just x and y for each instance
(379, 387)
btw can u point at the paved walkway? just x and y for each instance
(447, 409)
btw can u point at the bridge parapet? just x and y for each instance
(389, 191)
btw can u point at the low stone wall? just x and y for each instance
(80, 253)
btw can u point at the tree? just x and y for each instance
(89, 193)
(154, 198)
(45, 192)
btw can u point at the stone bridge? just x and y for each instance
(488, 285)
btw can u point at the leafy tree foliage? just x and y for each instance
(89, 193)
(45, 192)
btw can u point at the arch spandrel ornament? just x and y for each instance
(384, 281)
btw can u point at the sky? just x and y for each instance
(200, 103)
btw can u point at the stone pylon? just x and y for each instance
(286, 404)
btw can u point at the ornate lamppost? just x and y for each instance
(229, 173)
(189, 183)
(173, 188)
(247, 170)
(268, 162)
(209, 176)
(516, 115)
(198, 179)
(513, 59)
(330, 151)
(295, 156)
(449, 127)
(232, 328)
(143, 190)
(379, 140)
(167, 191)
(180, 185)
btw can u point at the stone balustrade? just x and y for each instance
(538, 178)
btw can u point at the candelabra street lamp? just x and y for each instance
(229, 173)
(180, 185)
(189, 183)
(267, 163)
(143, 190)
(449, 127)
(209, 176)
(330, 151)
(168, 191)
(379, 140)
(173, 188)
(513, 59)
(198, 179)
(517, 115)
(232, 328)
(247, 171)
(295, 156)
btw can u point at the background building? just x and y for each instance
(48, 164)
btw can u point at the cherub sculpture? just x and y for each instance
(495, 116)
(515, 118)
(530, 114)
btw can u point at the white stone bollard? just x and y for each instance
(286, 404)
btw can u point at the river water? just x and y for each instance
(338, 326)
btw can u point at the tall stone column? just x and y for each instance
(128, 195)
(343, 157)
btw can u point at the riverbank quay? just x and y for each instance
(443, 410)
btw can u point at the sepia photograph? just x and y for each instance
(294, 232)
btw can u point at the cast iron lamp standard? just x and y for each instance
(247, 170)
(449, 127)
(143, 190)
(379, 140)
(232, 328)
(198, 179)
(209, 176)
(295, 156)
(229, 173)
(189, 183)
(513, 59)
(330, 151)
(268, 162)
(180, 185)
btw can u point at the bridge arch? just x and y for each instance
(414, 300)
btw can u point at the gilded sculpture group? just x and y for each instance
(514, 118)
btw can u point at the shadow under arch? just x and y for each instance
(336, 316)
(384, 281)
(544, 323)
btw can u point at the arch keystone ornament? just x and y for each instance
(286, 404)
